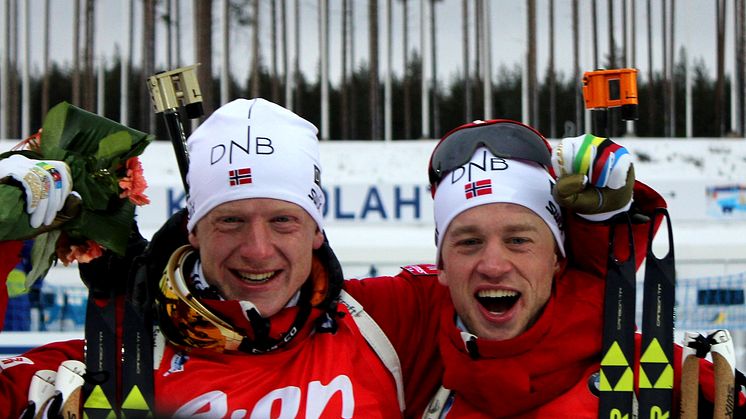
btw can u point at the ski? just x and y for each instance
(101, 358)
(138, 394)
(656, 372)
(618, 343)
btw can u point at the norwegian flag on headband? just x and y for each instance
(478, 188)
(240, 176)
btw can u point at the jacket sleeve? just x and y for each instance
(587, 243)
(10, 255)
(16, 372)
(407, 307)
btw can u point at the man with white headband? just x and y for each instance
(500, 336)
(497, 208)
(250, 307)
(526, 279)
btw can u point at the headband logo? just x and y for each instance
(262, 146)
(240, 176)
(317, 175)
(556, 214)
(315, 195)
(317, 198)
(478, 188)
(474, 167)
(190, 206)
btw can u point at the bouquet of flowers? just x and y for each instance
(106, 174)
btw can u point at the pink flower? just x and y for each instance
(133, 184)
(83, 253)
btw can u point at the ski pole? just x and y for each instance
(724, 360)
(69, 382)
(720, 344)
(40, 391)
(690, 376)
(56, 394)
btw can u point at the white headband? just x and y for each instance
(254, 149)
(487, 179)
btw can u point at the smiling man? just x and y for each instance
(256, 250)
(499, 269)
(250, 307)
(501, 242)
(522, 338)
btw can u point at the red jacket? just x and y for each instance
(317, 375)
(549, 370)
(417, 316)
(544, 372)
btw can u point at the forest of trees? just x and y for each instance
(355, 103)
(451, 98)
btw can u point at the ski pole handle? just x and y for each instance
(689, 378)
(40, 392)
(169, 91)
(724, 360)
(69, 382)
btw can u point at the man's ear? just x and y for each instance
(442, 277)
(559, 261)
(193, 239)
(318, 239)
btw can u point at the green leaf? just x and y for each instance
(54, 125)
(95, 188)
(113, 146)
(84, 130)
(14, 221)
(110, 229)
(42, 256)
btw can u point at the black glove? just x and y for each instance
(109, 275)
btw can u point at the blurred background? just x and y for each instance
(381, 69)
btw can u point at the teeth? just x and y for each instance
(496, 293)
(257, 277)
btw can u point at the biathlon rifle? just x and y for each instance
(169, 91)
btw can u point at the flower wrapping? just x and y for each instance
(102, 156)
